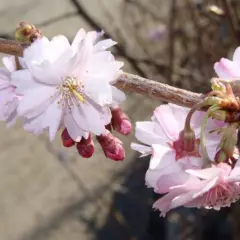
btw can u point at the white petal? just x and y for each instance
(52, 118)
(162, 156)
(118, 96)
(36, 51)
(34, 98)
(141, 148)
(9, 63)
(98, 90)
(75, 132)
(92, 117)
(104, 44)
(23, 80)
(82, 57)
(78, 38)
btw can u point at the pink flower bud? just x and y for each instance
(66, 139)
(112, 146)
(120, 121)
(86, 147)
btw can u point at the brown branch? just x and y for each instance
(11, 47)
(134, 83)
(150, 88)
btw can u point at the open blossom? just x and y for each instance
(8, 98)
(214, 187)
(226, 68)
(68, 85)
(163, 140)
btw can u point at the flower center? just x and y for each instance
(182, 152)
(221, 196)
(69, 90)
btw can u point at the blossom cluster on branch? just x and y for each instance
(57, 86)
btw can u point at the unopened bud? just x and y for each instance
(86, 147)
(66, 139)
(111, 146)
(27, 33)
(120, 121)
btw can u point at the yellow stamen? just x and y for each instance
(77, 94)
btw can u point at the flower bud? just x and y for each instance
(66, 139)
(86, 147)
(120, 121)
(27, 33)
(112, 146)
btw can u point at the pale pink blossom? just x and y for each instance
(8, 98)
(213, 187)
(161, 136)
(68, 85)
(226, 68)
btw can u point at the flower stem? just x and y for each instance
(205, 156)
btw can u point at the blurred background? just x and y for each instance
(50, 193)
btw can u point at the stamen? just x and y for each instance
(70, 89)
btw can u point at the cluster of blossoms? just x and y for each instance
(57, 85)
(194, 158)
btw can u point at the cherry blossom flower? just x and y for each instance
(214, 187)
(8, 98)
(68, 85)
(226, 68)
(164, 141)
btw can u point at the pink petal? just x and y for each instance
(164, 203)
(145, 133)
(167, 121)
(206, 173)
(236, 56)
(226, 69)
(207, 185)
(235, 173)
(165, 182)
